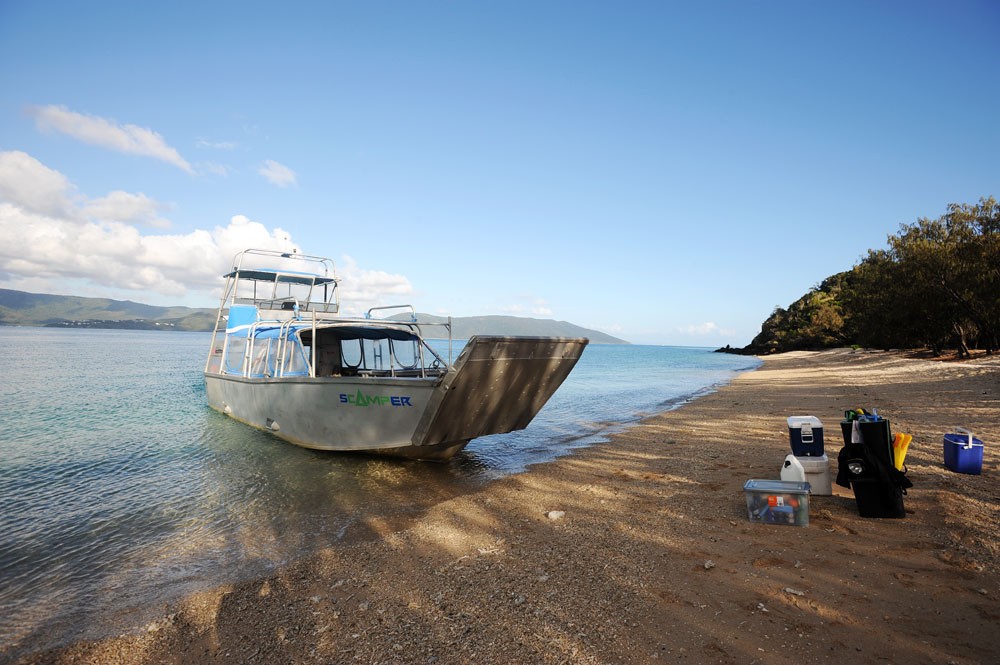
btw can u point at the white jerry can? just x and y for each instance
(792, 470)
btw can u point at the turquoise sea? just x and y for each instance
(121, 490)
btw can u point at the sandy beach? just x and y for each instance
(651, 557)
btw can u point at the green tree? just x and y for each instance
(954, 261)
(936, 284)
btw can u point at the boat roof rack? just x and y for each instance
(282, 276)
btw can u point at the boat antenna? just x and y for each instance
(285, 239)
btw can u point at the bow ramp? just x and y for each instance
(497, 385)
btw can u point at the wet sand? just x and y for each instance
(652, 558)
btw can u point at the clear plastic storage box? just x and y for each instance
(777, 502)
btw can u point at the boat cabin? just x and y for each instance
(281, 322)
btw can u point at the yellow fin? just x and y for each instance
(900, 454)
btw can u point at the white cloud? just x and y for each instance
(106, 133)
(523, 303)
(115, 254)
(119, 206)
(277, 174)
(706, 329)
(361, 289)
(541, 307)
(29, 184)
(216, 145)
(97, 241)
(214, 168)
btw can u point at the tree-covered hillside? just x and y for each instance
(936, 285)
(20, 308)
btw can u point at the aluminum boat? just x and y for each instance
(283, 359)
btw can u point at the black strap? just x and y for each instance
(874, 467)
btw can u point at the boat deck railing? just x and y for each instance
(283, 340)
(310, 300)
(289, 304)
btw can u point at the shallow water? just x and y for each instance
(121, 488)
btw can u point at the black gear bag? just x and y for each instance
(867, 468)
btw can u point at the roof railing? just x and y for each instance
(321, 261)
(413, 312)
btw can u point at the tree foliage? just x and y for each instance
(936, 285)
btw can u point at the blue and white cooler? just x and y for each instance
(806, 435)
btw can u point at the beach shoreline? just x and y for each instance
(652, 557)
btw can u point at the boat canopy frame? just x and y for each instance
(268, 315)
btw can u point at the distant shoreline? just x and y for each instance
(21, 308)
(162, 326)
(111, 325)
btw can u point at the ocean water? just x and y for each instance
(120, 489)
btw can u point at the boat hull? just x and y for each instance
(344, 414)
(497, 385)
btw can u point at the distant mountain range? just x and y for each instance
(464, 327)
(20, 308)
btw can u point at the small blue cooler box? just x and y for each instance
(806, 435)
(963, 453)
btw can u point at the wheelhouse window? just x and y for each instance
(235, 352)
(358, 350)
(405, 353)
(259, 365)
(295, 362)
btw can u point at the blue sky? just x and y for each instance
(667, 172)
